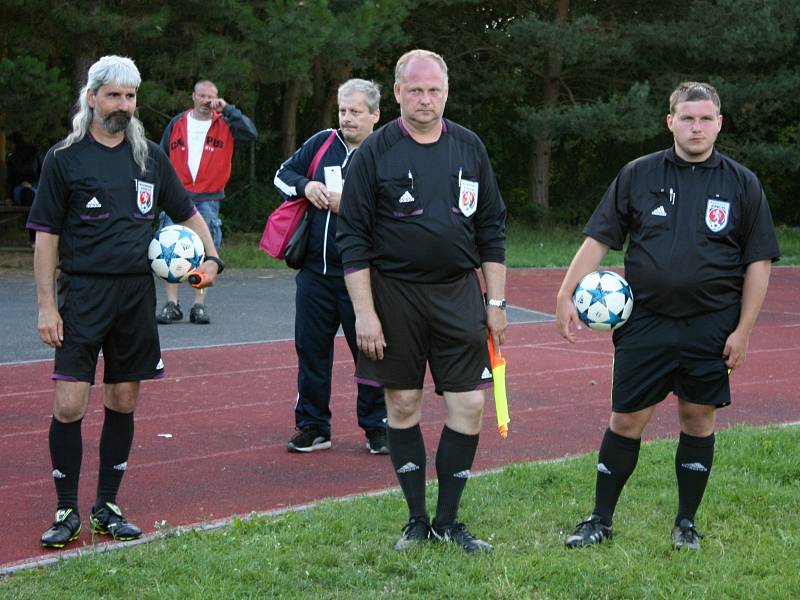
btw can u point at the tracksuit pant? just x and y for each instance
(322, 304)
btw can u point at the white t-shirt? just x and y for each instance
(196, 131)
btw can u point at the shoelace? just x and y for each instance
(689, 533)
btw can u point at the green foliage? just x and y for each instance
(342, 549)
(30, 90)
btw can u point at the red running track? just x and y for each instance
(211, 437)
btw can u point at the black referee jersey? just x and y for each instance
(693, 228)
(426, 213)
(102, 206)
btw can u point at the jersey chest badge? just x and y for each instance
(717, 212)
(468, 197)
(144, 196)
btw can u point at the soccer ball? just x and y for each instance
(604, 300)
(175, 252)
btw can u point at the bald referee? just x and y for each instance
(701, 243)
(99, 192)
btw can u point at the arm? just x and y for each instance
(586, 260)
(754, 291)
(369, 333)
(291, 179)
(494, 274)
(242, 128)
(166, 135)
(209, 268)
(45, 260)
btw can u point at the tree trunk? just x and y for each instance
(539, 165)
(291, 99)
(326, 110)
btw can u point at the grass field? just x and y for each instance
(343, 549)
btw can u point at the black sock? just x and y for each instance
(407, 450)
(115, 446)
(454, 459)
(615, 463)
(66, 454)
(693, 460)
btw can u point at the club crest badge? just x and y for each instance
(144, 196)
(468, 197)
(717, 213)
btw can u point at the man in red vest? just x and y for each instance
(199, 143)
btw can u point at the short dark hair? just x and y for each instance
(691, 91)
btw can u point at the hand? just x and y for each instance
(735, 349)
(334, 201)
(318, 194)
(566, 313)
(50, 327)
(369, 336)
(218, 105)
(208, 274)
(497, 322)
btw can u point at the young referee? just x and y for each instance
(99, 192)
(701, 245)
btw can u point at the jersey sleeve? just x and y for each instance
(242, 128)
(357, 212)
(50, 203)
(490, 216)
(607, 224)
(759, 239)
(172, 197)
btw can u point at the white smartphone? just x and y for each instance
(333, 179)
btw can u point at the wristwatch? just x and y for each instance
(501, 304)
(221, 265)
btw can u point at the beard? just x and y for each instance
(117, 121)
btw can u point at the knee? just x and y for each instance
(402, 407)
(122, 399)
(68, 412)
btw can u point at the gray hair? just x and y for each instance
(692, 91)
(370, 90)
(110, 69)
(403, 61)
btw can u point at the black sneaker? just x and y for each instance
(376, 442)
(66, 528)
(108, 520)
(199, 315)
(458, 533)
(170, 313)
(589, 532)
(685, 536)
(417, 531)
(309, 440)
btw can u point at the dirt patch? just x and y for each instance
(17, 261)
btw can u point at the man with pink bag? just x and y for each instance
(322, 303)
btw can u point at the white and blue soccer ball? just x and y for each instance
(174, 252)
(604, 300)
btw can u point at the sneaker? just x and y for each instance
(458, 533)
(309, 440)
(588, 532)
(108, 520)
(199, 315)
(66, 528)
(685, 536)
(376, 442)
(170, 313)
(417, 531)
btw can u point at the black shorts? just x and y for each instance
(442, 325)
(115, 314)
(655, 355)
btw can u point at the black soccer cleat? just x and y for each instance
(108, 520)
(589, 532)
(66, 528)
(685, 536)
(417, 531)
(457, 533)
